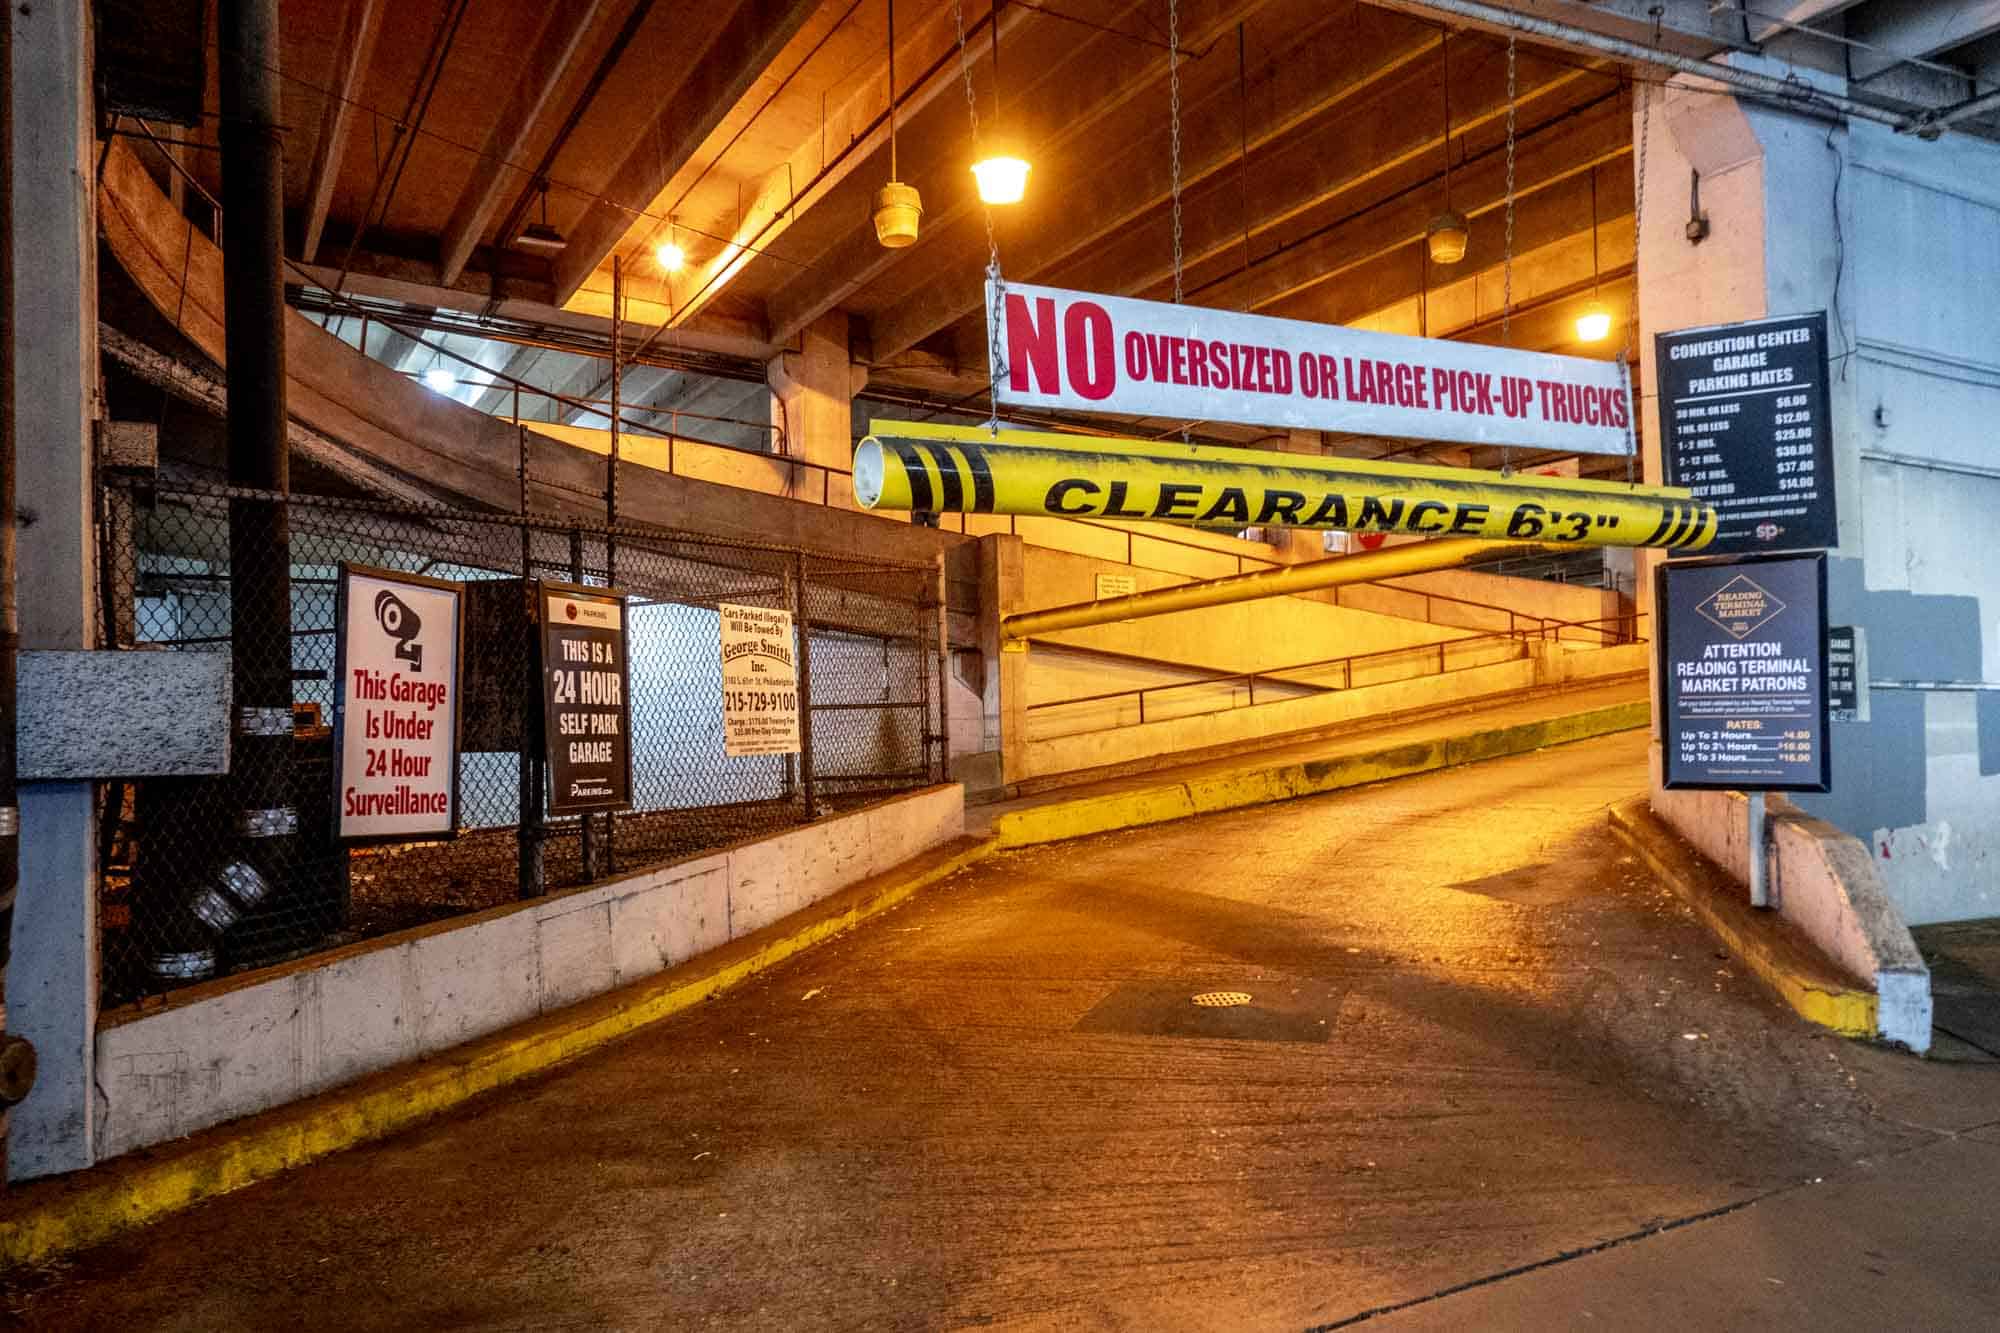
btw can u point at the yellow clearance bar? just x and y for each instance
(967, 469)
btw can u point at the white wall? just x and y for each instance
(234, 1047)
(1899, 240)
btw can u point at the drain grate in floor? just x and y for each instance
(1222, 999)
(1166, 1009)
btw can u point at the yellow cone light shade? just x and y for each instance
(1447, 237)
(898, 210)
(1002, 179)
(670, 256)
(1594, 323)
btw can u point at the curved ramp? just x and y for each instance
(441, 446)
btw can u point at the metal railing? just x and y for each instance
(1624, 627)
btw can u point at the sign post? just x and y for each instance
(396, 708)
(586, 698)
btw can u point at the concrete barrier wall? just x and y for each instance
(1823, 881)
(246, 1044)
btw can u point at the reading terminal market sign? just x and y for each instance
(1079, 351)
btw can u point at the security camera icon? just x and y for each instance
(400, 623)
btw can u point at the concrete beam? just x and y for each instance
(498, 397)
(717, 78)
(558, 48)
(350, 71)
(1571, 147)
(1914, 32)
(1346, 129)
(860, 126)
(1051, 91)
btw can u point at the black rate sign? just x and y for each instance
(1744, 421)
(1743, 682)
(586, 700)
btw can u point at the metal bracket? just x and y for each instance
(277, 822)
(10, 821)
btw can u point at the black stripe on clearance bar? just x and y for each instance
(920, 479)
(950, 484)
(982, 477)
(1669, 511)
(1702, 514)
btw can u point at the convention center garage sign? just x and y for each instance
(1745, 421)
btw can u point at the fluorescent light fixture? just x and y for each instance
(671, 257)
(439, 380)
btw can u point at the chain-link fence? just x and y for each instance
(189, 893)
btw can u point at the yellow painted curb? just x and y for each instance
(84, 1211)
(1849, 1011)
(1057, 821)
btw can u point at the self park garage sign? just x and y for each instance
(1081, 351)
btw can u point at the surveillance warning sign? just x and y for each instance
(586, 698)
(396, 709)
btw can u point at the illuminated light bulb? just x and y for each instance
(1002, 179)
(671, 257)
(1594, 323)
(439, 380)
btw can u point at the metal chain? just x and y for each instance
(1507, 276)
(1638, 240)
(995, 352)
(1174, 110)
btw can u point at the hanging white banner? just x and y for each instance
(1088, 353)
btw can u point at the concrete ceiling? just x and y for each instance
(754, 133)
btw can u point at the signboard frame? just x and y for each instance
(730, 714)
(1819, 527)
(562, 807)
(1091, 352)
(1663, 662)
(343, 571)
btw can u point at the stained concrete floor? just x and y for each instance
(1478, 1037)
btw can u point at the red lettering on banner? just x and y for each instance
(1281, 365)
(1180, 359)
(1135, 355)
(1029, 345)
(1329, 384)
(1088, 350)
(1197, 354)
(1218, 358)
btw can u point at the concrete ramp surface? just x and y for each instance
(1473, 1036)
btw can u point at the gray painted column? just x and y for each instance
(52, 982)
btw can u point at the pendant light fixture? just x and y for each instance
(669, 255)
(540, 235)
(1448, 234)
(898, 208)
(1595, 321)
(1002, 173)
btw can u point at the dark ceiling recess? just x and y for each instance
(152, 58)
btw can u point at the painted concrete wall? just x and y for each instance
(1899, 240)
(235, 1047)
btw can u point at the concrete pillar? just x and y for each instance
(1895, 239)
(52, 981)
(1003, 591)
(812, 401)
